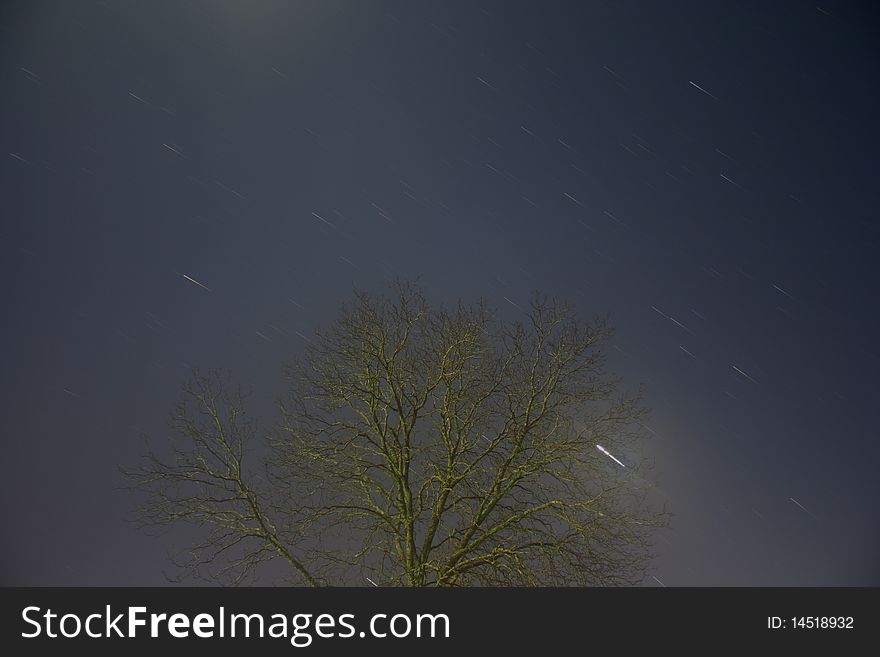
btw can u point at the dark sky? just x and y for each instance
(704, 172)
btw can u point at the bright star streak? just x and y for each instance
(610, 455)
(192, 280)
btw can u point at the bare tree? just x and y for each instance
(420, 446)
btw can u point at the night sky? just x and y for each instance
(203, 184)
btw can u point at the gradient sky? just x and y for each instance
(704, 172)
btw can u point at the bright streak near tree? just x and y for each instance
(610, 455)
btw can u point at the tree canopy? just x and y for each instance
(418, 446)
